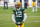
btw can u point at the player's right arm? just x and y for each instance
(13, 16)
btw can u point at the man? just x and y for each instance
(25, 4)
(21, 2)
(19, 15)
(39, 2)
(34, 4)
(5, 3)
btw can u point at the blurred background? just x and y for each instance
(11, 3)
(33, 19)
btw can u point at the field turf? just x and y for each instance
(33, 19)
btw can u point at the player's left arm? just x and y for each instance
(25, 17)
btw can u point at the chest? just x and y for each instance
(18, 13)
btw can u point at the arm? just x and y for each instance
(13, 17)
(25, 17)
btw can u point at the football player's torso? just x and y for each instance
(19, 15)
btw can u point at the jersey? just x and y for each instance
(33, 4)
(19, 15)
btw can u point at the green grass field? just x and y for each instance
(33, 19)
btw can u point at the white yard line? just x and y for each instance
(13, 23)
(6, 23)
(4, 14)
(35, 21)
(34, 16)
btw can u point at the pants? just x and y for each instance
(39, 4)
(25, 5)
(20, 25)
(5, 3)
(33, 4)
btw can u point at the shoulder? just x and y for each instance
(13, 11)
(23, 10)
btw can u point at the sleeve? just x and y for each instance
(24, 11)
(13, 12)
(13, 17)
(25, 17)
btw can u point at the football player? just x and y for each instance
(25, 4)
(34, 4)
(19, 15)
